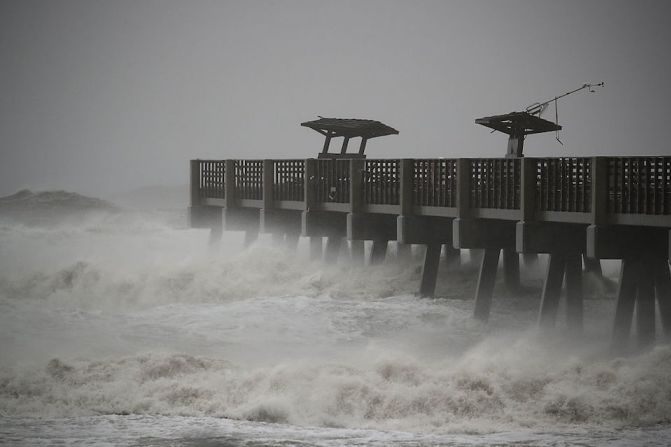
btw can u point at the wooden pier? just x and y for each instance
(573, 209)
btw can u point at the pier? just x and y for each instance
(576, 210)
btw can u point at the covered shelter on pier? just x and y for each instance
(517, 125)
(348, 128)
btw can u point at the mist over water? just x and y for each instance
(127, 325)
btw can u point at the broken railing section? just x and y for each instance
(570, 208)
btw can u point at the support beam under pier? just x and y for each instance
(357, 251)
(486, 280)
(663, 292)
(574, 293)
(644, 255)
(403, 252)
(332, 225)
(492, 236)
(511, 269)
(333, 244)
(380, 228)
(378, 251)
(568, 267)
(554, 277)
(429, 231)
(427, 286)
(626, 300)
(316, 248)
(641, 279)
(645, 304)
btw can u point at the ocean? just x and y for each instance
(123, 327)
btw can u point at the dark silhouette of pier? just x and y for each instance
(575, 209)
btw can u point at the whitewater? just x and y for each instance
(124, 327)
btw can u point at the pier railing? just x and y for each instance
(607, 190)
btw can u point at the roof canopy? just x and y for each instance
(518, 123)
(350, 128)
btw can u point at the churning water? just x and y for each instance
(125, 328)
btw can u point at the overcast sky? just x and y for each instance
(101, 97)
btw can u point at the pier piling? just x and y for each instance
(316, 248)
(486, 280)
(427, 287)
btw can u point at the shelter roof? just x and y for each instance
(350, 128)
(518, 122)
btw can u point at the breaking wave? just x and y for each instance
(479, 392)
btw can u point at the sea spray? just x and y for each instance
(124, 314)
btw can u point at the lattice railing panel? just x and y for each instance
(564, 184)
(435, 182)
(249, 179)
(332, 181)
(212, 178)
(381, 182)
(288, 180)
(639, 185)
(495, 183)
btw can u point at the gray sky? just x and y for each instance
(105, 96)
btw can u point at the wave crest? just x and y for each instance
(388, 394)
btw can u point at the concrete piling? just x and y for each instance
(357, 251)
(427, 286)
(626, 299)
(551, 291)
(378, 251)
(663, 293)
(333, 244)
(316, 248)
(511, 269)
(574, 293)
(486, 279)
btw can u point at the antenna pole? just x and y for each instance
(537, 108)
